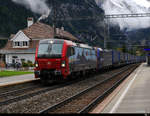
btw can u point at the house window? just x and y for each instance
(25, 43)
(17, 43)
(21, 44)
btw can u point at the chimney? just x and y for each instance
(30, 21)
(62, 28)
(57, 31)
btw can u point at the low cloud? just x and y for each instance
(36, 6)
(127, 7)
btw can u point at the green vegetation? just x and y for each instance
(27, 64)
(2, 43)
(12, 20)
(13, 73)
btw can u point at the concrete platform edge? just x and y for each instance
(100, 108)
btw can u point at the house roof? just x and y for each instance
(41, 31)
(36, 32)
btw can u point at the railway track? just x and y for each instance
(12, 94)
(18, 86)
(17, 103)
(15, 95)
(85, 100)
(25, 93)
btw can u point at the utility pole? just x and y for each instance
(106, 32)
(119, 16)
(54, 17)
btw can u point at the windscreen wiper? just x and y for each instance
(49, 48)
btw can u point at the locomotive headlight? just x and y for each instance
(51, 42)
(63, 64)
(36, 64)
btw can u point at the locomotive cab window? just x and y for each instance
(70, 51)
(50, 50)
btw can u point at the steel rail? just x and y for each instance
(19, 98)
(5, 88)
(60, 104)
(106, 93)
(13, 92)
(14, 88)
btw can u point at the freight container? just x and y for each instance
(122, 57)
(107, 58)
(115, 58)
(99, 58)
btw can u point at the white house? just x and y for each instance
(22, 46)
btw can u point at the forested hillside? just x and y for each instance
(13, 17)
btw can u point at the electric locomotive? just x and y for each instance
(58, 59)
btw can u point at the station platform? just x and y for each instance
(132, 96)
(5, 81)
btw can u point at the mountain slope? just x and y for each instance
(13, 17)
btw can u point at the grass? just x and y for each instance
(13, 73)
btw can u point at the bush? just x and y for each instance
(30, 64)
(27, 64)
(2, 64)
(24, 64)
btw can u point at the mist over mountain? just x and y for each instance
(135, 29)
(14, 14)
(127, 7)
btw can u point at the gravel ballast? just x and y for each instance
(42, 101)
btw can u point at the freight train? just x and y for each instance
(58, 59)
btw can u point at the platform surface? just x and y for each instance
(134, 96)
(4, 81)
